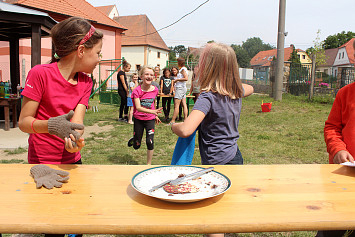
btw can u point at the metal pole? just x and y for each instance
(280, 52)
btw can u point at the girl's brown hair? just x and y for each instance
(125, 64)
(219, 72)
(67, 35)
(171, 70)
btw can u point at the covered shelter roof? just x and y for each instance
(18, 22)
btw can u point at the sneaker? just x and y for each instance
(130, 142)
(120, 119)
(130, 122)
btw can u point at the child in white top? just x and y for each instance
(132, 85)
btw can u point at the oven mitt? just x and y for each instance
(48, 177)
(62, 127)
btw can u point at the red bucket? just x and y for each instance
(266, 107)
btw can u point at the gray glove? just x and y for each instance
(62, 127)
(48, 177)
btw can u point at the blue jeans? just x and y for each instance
(237, 160)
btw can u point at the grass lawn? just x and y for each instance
(291, 133)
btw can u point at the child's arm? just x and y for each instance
(140, 108)
(190, 125)
(248, 90)
(185, 77)
(124, 83)
(172, 87)
(333, 136)
(27, 116)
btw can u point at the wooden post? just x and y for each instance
(36, 45)
(14, 63)
(313, 74)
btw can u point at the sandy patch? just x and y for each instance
(23, 138)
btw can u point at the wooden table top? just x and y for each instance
(98, 199)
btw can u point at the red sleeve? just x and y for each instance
(34, 86)
(333, 129)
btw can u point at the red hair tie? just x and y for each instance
(88, 35)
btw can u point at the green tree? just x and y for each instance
(337, 40)
(318, 50)
(172, 54)
(243, 57)
(255, 45)
(181, 51)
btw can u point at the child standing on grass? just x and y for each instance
(53, 91)
(123, 90)
(180, 90)
(165, 88)
(217, 110)
(144, 112)
(132, 85)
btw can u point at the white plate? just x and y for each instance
(350, 164)
(146, 179)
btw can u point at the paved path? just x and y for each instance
(12, 139)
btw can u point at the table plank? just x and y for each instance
(98, 199)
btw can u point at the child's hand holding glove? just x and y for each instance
(62, 127)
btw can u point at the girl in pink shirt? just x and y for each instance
(56, 95)
(144, 112)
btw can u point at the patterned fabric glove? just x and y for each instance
(62, 127)
(48, 177)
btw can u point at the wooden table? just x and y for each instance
(7, 103)
(100, 200)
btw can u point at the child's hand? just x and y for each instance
(157, 120)
(157, 111)
(342, 156)
(69, 144)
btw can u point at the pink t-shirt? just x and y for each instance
(56, 96)
(147, 100)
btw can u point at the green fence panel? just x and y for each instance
(116, 99)
(105, 97)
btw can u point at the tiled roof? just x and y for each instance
(79, 8)
(140, 32)
(349, 50)
(106, 9)
(330, 57)
(264, 58)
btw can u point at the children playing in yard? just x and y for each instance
(144, 112)
(165, 88)
(132, 85)
(217, 110)
(218, 107)
(56, 95)
(123, 90)
(180, 90)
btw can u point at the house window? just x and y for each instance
(339, 55)
(343, 55)
(303, 56)
(138, 67)
(158, 55)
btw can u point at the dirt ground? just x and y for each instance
(88, 132)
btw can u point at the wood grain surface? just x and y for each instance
(98, 199)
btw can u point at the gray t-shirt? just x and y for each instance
(218, 132)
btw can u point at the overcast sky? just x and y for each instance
(234, 21)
